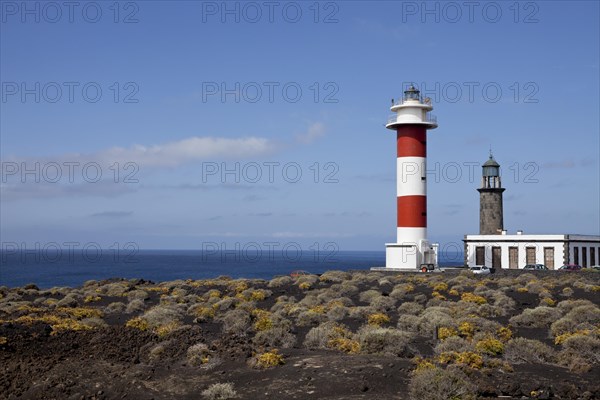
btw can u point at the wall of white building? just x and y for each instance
(557, 243)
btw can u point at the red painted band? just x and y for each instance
(411, 141)
(412, 212)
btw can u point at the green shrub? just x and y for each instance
(280, 281)
(70, 300)
(584, 314)
(115, 289)
(410, 308)
(308, 318)
(331, 336)
(368, 295)
(521, 350)
(382, 303)
(115, 308)
(235, 321)
(567, 305)
(420, 298)
(567, 292)
(135, 306)
(444, 333)
(202, 311)
(473, 298)
(400, 291)
(378, 319)
(386, 341)
(156, 352)
(138, 323)
(408, 323)
(335, 276)
(585, 347)
(539, 317)
(163, 315)
(198, 354)
(319, 336)
(467, 359)
(220, 391)
(454, 344)
(269, 359)
(503, 302)
(490, 346)
(137, 294)
(225, 303)
(441, 384)
(337, 313)
(434, 317)
(345, 289)
(278, 336)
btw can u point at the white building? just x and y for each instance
(516, 251)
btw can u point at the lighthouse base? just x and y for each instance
(400, 256)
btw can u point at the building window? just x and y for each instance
(530, 255)
(584, 263)
(576, 255)
(592, 256)
(496, 257)
(549, 257)
(513, 257)
(480, 255)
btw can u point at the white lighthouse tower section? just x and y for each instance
(411, 173)
(411, 176)
(411, 119)
(411, 111)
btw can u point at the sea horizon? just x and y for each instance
(50, 268)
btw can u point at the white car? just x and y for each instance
(480, 270)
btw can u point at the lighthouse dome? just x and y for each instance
(491, 167)
(491, 163)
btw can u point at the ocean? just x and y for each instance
(52, 268)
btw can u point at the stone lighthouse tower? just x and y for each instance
(410, 120)
(491, 218)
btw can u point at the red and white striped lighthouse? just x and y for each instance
(411, 120)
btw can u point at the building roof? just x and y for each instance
(491, 162)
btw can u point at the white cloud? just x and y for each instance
(113, 214)
(314, 132)
(300, 235)
(170, 154)
(187, 150)
(559, 164)
(44, 190)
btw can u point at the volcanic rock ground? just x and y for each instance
(114, 361)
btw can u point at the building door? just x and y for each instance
(480, 255)
(576, 255)
(549, 257)
(513, 257)
(530, 255)
(592, 256)
(496, 257)
(584, 263)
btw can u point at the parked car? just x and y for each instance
(427, 267)
(480, 270)
(570, 267)
(538, 267)
(596, 267)
(298, 273)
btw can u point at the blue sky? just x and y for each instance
(523, 79)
